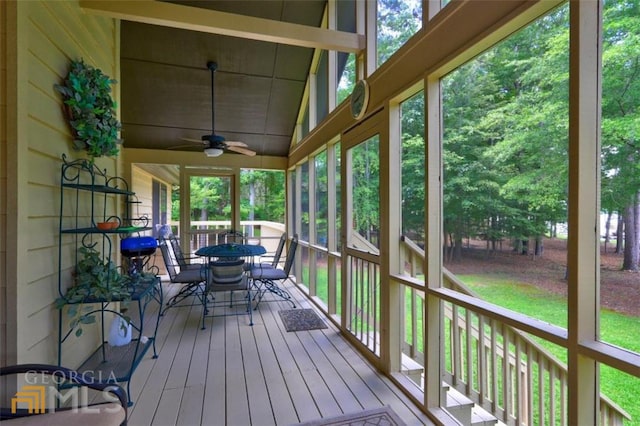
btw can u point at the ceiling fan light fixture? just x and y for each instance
(213, 152)
(215, 145)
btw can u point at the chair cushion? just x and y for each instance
(227, 271)
(259, 273)
(189, 276)
(94, 415)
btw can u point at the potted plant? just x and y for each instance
(90, 110)
(96, 280)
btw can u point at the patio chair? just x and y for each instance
(184, 260)
(192, 278)
(225, 276)
(275, 256)
(267, 279)
(231, 236)
(111, 411)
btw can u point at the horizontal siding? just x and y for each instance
(52, 34)
(142, 184)
(4, 339)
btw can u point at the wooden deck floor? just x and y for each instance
(234, 374)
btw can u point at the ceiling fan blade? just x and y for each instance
(236, 143)
(201, 142)
(189, 146)
(241, 150)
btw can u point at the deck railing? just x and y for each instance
(497, 366)
(363, 293)
(205, 233)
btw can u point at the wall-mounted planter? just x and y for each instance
(90, 110)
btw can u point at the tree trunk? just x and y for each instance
(517, 245)
(619, 234)
(445, 249)
(539, 246)
(252, 205)
(202, 238)
(607, 227)
(457, 249)
(631, 228)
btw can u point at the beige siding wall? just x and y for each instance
(4, 340)
(142, 184)
(50, 34)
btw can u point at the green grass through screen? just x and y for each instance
(618, 329)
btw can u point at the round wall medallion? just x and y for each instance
(359, 99)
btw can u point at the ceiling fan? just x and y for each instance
(215, 145)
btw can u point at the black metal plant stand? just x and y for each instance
(86, 194)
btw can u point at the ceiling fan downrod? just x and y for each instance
(212, 66)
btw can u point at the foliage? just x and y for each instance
(262, 197)
(91, 110)
(366, 188)
(397, 21)
(413, 168)
(621, 105)
(96, 279)
(505, 129)
(210, 198)
(321, 198)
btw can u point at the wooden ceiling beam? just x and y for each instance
(211, 21)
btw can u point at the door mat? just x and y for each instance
(384, 416)
(301, 319)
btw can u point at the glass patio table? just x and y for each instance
(231, 250)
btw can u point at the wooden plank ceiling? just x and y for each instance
(166, 86)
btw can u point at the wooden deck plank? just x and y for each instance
(301, 397)
(380, 386)
(157, 370)
(214, 409)
(200, 356)
(257, 392)
(328, 360)
(324, 388)
(236, 390)
(345, 399)
(168, 406)
(283, 409)
(361, 392)
(235, 374)
(385, 392)
(300, 394)
(190, 412)
(182, 361)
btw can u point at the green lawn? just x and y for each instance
(618, 329)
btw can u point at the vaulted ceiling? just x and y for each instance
(259, 85)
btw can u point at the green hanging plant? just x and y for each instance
(90, 110)
(96, 280)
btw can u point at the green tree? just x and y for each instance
(505, 137)
(413, 168)
(531, 152)
(366, 189)
(621, 120)
(262, 195)
(397, 21)
(470, 184)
